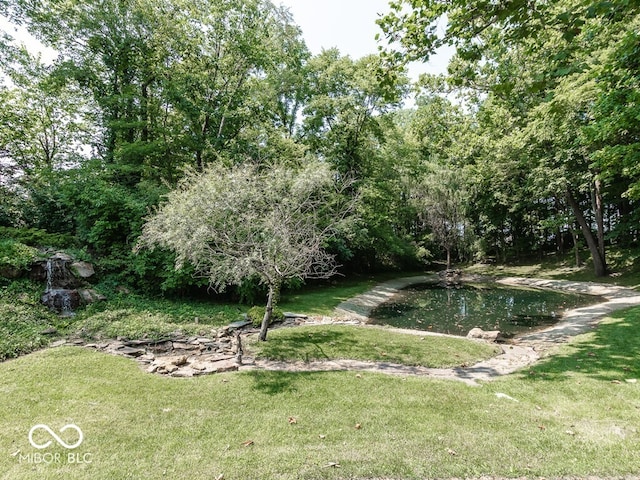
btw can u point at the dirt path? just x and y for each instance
(524, 351)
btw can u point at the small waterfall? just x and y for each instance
(49, 270)
(60, 296)
(66, 304)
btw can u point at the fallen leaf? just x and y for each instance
(248, 443)
(542, 427)
(451, 452)
(292, 420)
(332, 464)
(358, 426)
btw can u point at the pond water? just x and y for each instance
(512, 310)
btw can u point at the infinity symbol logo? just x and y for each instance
(56, 437)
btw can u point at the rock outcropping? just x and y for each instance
(66, 281)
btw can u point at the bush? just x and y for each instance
(21, 330)
(23, 320)
(36, 237)
(256, 314)
(15, 257)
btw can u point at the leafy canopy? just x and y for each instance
(235, 223)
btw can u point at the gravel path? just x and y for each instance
(523, 351)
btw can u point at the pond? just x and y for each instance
(455, 311)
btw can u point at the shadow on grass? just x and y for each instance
(272, 382)
(309, 345)
(610, 352)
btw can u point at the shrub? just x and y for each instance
(36, 237)
(15, 257)
(23, 320)
(256, 314)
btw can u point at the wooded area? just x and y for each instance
(530, 145)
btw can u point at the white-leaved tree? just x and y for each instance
(248, 221)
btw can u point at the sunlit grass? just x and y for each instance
(624, 267)
(323, 299)
(560, 420)
(333, 342)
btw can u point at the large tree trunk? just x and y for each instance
(266, 320)
(598, 256)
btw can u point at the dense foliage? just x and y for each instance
(552, 87)
(538, 154)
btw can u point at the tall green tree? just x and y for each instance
(541, 62)
(346, 122)
(45, 123)
(440, 192)
(175, 82)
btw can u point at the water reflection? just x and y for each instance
(491, 307)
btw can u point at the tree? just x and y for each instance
(441, 202)
(45, 123)
(342, 119)
(174, 82)
(346, 122)
(243, 222)
(562, 71)
(440, 192)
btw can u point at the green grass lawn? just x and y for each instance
(333, 342)
(576, 415)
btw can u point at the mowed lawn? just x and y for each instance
(577, 413)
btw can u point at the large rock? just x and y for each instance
(59, 274)
(490, 335)
(82, 269)
(90, 296)
(61, 300)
